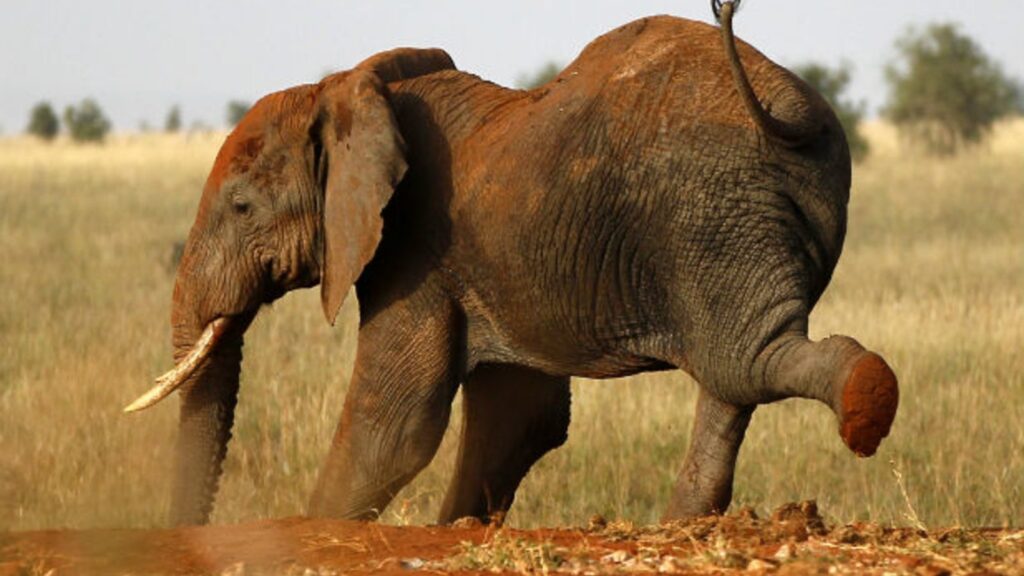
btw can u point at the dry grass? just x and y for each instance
(931, 277)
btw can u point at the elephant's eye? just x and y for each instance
(240, 205)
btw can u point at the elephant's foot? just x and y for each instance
(855, 383)
(867, 404)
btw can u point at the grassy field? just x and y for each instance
(932, 277)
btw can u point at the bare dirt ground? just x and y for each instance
(794, 540)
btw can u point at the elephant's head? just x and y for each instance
(294, 198)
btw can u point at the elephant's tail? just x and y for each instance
(787, 133)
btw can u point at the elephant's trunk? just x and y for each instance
(208, 397)
(788, 134)
(204, 429)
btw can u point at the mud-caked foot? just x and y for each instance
(867, 404)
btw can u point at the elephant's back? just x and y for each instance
(677, 68)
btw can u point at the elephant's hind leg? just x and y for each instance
(705, 482)
(397, 407)
(513, 416)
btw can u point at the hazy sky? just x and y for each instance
(137, 58)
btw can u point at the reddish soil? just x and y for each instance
(793, 541)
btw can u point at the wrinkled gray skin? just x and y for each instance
(629, 216)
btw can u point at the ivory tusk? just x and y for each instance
(170, 381)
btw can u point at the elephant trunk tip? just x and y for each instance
(868, 403)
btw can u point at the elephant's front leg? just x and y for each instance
(705, 482)
(396, 410)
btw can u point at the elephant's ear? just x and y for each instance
(365, 161)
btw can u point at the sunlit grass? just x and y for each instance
(932, 277)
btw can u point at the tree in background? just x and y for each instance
(832, 83)
(540, 77)
(43, 121)
(944, 91)
(86, 123)
(236, 110)
(173, 121)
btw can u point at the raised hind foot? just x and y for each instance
(855, 383)
(867, 404)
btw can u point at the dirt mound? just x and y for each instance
(794, 540)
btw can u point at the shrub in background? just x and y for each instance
(539, 77)
(236, 109)
(944, 91)
(43, 121)
(86, 122)
(173, 121)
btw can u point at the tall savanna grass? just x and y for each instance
(932, 277)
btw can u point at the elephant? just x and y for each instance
(672, 200)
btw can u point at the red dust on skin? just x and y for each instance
(264, 124)
(245, 143)
(870, 398)
(343, 123)
(240, 150)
